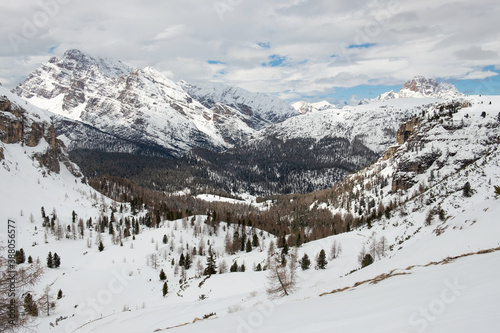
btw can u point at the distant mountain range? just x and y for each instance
(267, 145)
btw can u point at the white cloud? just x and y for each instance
(439, 38)
(171, 32)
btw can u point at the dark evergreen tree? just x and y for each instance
(182, 260)
(101, 246)
(258, 268)
(321, 261)
(56, 260)
(165, 239)
(234, 267)
(255, 241)
(467, 191)
(305, 262)
(211, 264)
(30, 260)
(165, 289)
(20, 257)
(284, 250)
(163, 276)
(248, 246)
(50, 262)
(367, 260)
(242, 268)
(187, 261)
(59, 294)
(30, 305)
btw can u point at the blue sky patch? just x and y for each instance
(361, 46)
(264, 45)
(275, 61)
(216, 62)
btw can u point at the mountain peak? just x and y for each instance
(75, 59)
(421, 86)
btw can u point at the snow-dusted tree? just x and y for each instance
(211, 264)
(382, 247)
(281, 280)
(57, 260)
(101, 246)
(335, 250)
(305, 262)
(361, 255)
(223, 268)
(154, 260)
(199, 267)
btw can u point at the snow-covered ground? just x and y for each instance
(119, 289)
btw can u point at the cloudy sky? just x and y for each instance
(296, 49)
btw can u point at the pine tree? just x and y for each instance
(234, 267)
(182, 260)
(163, 276)
(248, 246)
(188, 261)
(20, 257)
(367, 260)
(30, 260)
(50, 262)
(321, 260)
(165, 239)
(255, 241)
(59, 294)
(165, 289)
(211, 265)
(305, 262)
(56, 260)
(101, 246)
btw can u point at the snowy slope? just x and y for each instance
(375, 124)
(121, 290)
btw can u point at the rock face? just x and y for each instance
(20, 126)
(406, 130)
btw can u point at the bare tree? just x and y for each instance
(335, 250)
(281, 279)
(14, 282)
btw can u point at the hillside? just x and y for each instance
(411, 210)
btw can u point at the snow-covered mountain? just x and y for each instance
(304, 107)
(261, 109)
(142, 105)
(420, 86)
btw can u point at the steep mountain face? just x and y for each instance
(23, 124)
(421, 86)
(140, 106)
(260, 109)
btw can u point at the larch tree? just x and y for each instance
(281, 280)
(14, 316)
